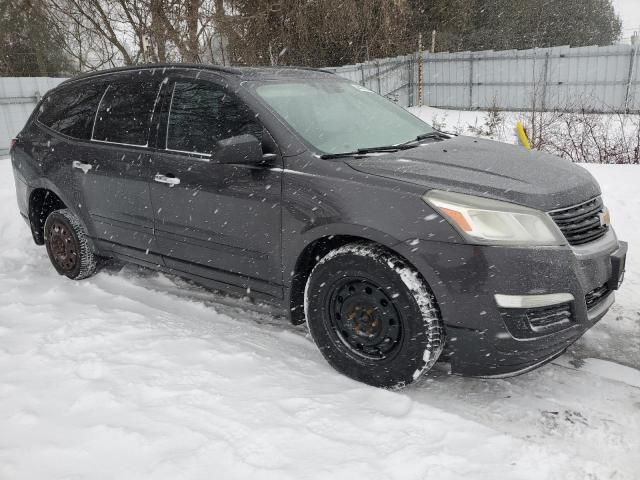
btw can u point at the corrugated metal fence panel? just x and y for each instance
(395, 78)
(562, 78)
(446, 79)
(589, 77)
(18, 97)
(601, 79)
(501, 77)
(391, 77)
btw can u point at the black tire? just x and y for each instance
(68, 245)
(372, 316)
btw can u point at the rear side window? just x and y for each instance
(124, 115)
(203, 113)
(71, 111)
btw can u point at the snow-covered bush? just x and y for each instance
(586, 137)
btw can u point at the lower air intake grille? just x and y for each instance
(595, 296)
(581, 223)
(542, 319)
(536, 322)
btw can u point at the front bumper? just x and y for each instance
(484, 339)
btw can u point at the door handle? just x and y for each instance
(85, 167)
(166, 179)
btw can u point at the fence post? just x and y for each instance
(545, 81)
(471, 81)
(378, 76)
(362, 81)
(425, 76)
(420, 61)
(411, 81)
(632, 61)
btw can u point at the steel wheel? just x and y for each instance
(63, 246)
(68, 245)
(372, 316)
(364, 318)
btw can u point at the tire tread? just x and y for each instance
(433, 326)
(87, 259)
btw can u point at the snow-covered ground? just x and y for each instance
(467, 122)
(580, 137)
(501, 125)
(132, 374)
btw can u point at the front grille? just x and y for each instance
(581, 223)
(535, 322)
(595, 296)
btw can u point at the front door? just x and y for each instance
(215, 220)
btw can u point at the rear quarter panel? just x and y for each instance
(40, 161)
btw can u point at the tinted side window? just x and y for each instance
(125, 112)
(203, 113)
(71, 111)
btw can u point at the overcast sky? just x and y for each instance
(629, 11)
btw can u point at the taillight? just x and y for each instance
(13, 143)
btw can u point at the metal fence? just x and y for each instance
(597, 79)
(18, 97)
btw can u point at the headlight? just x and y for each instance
(485, 221)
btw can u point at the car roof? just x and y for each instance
(246, 73)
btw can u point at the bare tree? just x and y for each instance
(318, 33)
(28, 41)
(105, 32)
(98, 33)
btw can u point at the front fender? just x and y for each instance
(295, 248)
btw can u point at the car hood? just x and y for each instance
(488, 169)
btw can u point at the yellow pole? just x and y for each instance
(523, 135)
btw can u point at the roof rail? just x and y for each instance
(293, 67)
(151, 66)
(190, 66)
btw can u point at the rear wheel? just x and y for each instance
(372, 316)
(68, 245)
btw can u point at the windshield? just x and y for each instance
(336, 117)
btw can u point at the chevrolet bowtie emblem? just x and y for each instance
(605, 218)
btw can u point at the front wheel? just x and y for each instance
(68, 245)
(372, 316)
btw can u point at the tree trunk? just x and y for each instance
(192, 53)
(158, 32)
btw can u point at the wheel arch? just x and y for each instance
(321, 245)
(45, 188)
(42, 201)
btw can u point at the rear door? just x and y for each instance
(220, 221)
(116, 171)
(68, 113)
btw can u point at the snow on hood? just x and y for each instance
(489, 169)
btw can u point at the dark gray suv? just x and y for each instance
(398, 244)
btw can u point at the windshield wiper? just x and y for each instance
(389, 148)
(425, 136)
(365, 151)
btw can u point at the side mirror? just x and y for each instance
(242, 149)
